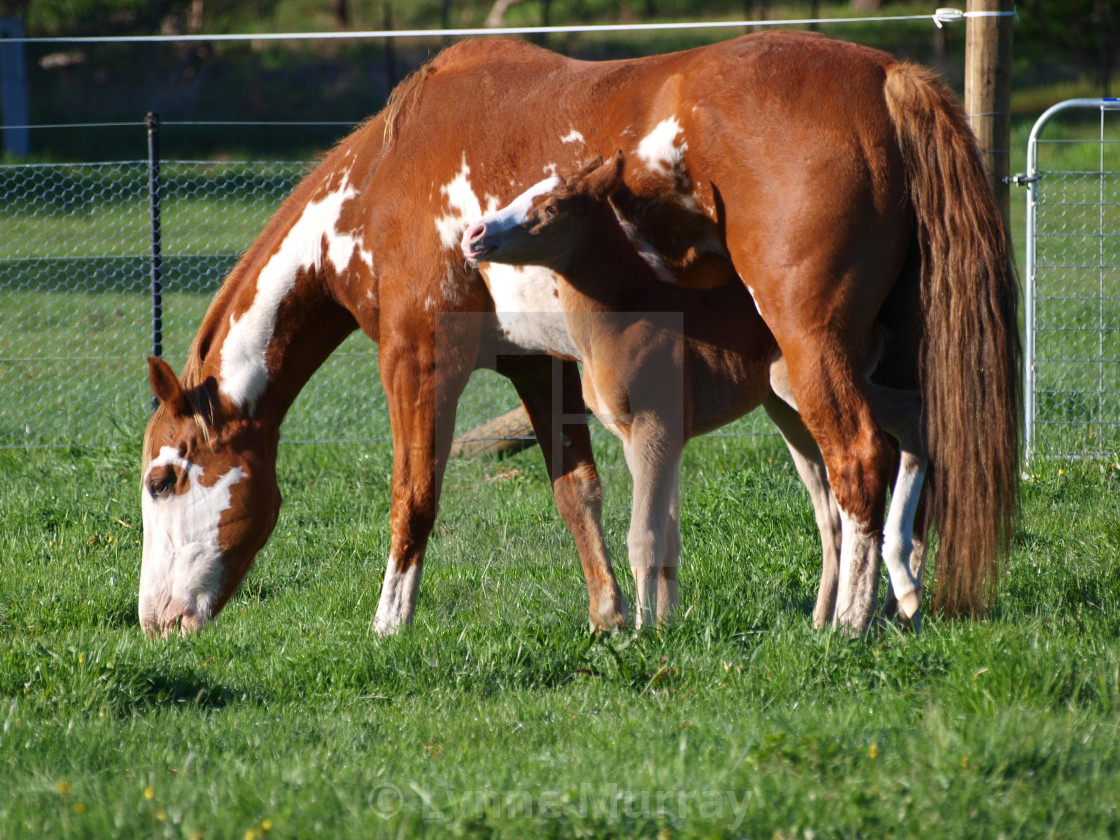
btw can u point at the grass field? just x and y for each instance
(499, 714)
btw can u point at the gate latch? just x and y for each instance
(1020, 180)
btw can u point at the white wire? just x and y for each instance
(939, 17)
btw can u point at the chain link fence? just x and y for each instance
(75, 298)
(76, 313)
(1073, 284)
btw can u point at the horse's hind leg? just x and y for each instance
(900, 414)
(550, 391)
(829, 391)
(810, 466)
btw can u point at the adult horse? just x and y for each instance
(841, 185)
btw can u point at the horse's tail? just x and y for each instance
(970, 357)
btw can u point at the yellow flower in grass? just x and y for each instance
(64, 788)
(149, 793)
(873, 750)
(80, 807)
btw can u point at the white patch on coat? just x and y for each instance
(528, 308)
(398, 598)
(572, 136)
(754, 297)
(898, 534)
(244, 370)
(462, 207)
(659, 149)
(181, 567)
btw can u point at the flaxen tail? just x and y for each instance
(970, 366)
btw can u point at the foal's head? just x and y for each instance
(209, 499)
(546, 224)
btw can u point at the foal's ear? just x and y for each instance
(607, 178)
(166, 385)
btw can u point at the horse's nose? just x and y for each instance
(174, 619)
(471, 235)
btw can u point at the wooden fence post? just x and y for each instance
(987, 91)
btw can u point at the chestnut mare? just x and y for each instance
(842, 185)
(663, 363)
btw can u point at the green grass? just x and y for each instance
(499, 714)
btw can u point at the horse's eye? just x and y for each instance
(161, 482)
(551, 210)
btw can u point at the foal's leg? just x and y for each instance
(653, 459)
(550, 391)
(810, 466)
(668, 590)
(423, 373)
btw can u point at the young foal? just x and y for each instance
(663, 363)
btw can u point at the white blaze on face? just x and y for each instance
(244, 370)
(526, 299)
(517, 211)
(659, 149)
(181, 566)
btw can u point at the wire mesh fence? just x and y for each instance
(75, 302)
(1073, 313)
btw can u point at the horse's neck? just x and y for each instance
(605, 272)
(276, 319)
(268, 340)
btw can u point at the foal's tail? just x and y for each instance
(970, 363)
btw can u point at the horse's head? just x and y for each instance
(544, 225)
(209, 499)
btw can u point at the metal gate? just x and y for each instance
(1073, 281)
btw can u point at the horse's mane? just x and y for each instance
(404, 93)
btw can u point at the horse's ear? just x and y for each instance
(607, 177)
(166, 385)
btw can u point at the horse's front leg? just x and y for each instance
(550, 391)
(425, 364)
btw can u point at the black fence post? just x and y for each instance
(152, 122)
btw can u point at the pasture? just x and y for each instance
(499, 714)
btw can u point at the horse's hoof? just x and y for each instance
(909, 604)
